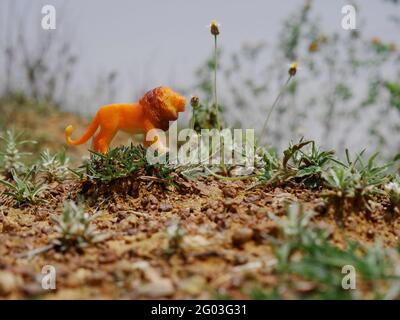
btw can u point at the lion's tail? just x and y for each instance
(85, 137)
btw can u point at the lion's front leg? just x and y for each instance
(154, 137)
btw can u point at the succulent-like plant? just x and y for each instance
(304, 251)
(11, 156)
(54, 167)
(354, 184)
(175, 234)
(75, 228)
(302, 162)
(24, 190)
(307, 162)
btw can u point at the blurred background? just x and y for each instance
(346, 93)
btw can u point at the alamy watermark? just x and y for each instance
(349, 280)
(49, 275)
(349, 18)
(49, 19)
(209, 147)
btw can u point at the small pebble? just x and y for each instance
(153, 199)
(229, 192)
(242, 236)
(165, 207)
(8, 283)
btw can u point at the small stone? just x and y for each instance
(33, 289)
(121, 216)
(229, 192)
(242, 236)
(239, 259)
(153, 199)
(252, 209)
(228, 203)
(321, 208)
(193, 285)
(77, 278)
(262, 212)
(210, 213)
(41, 215)
(163, 287)
(131, 232)
(46, 230)
(252, 199)
(184, 212)
(108, 257)
(144, 202)
(214, 205)
(272, 228)
(96, 278)
(112, 208)
(8, 283)
(349, 219)
(9, 225)
(165, 207)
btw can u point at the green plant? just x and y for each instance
(394, 90)
(392, 189)
(308, 163)
(75, 228)
(292, 72)
(24, 190)
(214, 28)
(208, 115)
(175, 234)
(203, 117)
(355, 183)
(54, 167)
(333, 109)
(269, 163)
(341, 180)
(304, 253)
(10, 157)
(302, 161)
(121, 162)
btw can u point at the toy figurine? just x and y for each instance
(154, 110)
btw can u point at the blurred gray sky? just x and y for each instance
(162, 42)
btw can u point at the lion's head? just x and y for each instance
(162, 105)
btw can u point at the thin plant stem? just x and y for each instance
(264, 128)
(216, 109)
(193, 120)
(215, 83)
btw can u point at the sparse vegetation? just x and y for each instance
(393, 191)
(306, 258)
(121, 162)
(355, 184)
(175, 234)
(281, 228)
(11, 158)
(75, 228)
(24, 190)
(54, 167)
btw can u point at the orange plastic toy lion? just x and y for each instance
(154, 110)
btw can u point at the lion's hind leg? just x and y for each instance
(102, 140)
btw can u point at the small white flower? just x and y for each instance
(393, 187)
